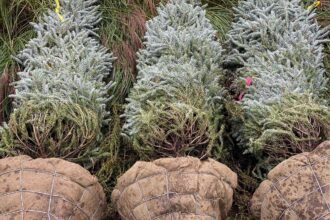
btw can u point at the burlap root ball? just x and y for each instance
(298, 188)
(175, 188)
(48, 189)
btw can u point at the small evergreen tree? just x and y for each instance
(173, 108)
(279, 44)
(61, 96)
(268, 25)
(65, 62)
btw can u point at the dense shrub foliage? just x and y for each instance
(64, 70)
(279, 44)
(174, 108)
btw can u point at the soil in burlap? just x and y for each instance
(175, 188)
(48, 189)
(298, 188)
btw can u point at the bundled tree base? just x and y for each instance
(52, 129)
(298, 188)
(296, 124)
(175, 129)
(48, 189)
(175, 188)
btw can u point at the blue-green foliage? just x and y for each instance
(178, 73)
(279, 44)
(65, 62)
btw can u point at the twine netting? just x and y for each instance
(48, 189)
(298, 188)
(175, 188)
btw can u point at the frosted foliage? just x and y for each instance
(180, 30)
(283, 72)
(279, 44)
(65, 62)
(178, 69)
(262, 25)
(164, 85)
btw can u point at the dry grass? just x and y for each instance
(5, 91)
(122, 31)
(15, 31)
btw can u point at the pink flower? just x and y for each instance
(248, 82)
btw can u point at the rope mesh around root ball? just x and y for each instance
(23, 200)
(175, 188)
(293, 185)
(290, 204)
(169, 194)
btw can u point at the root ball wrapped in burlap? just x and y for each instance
(175, 188)
(298, 188)
(48, 189)
(52, 129)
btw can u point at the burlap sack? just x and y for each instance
(175, 188)
(298, 188)
(48, 189)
